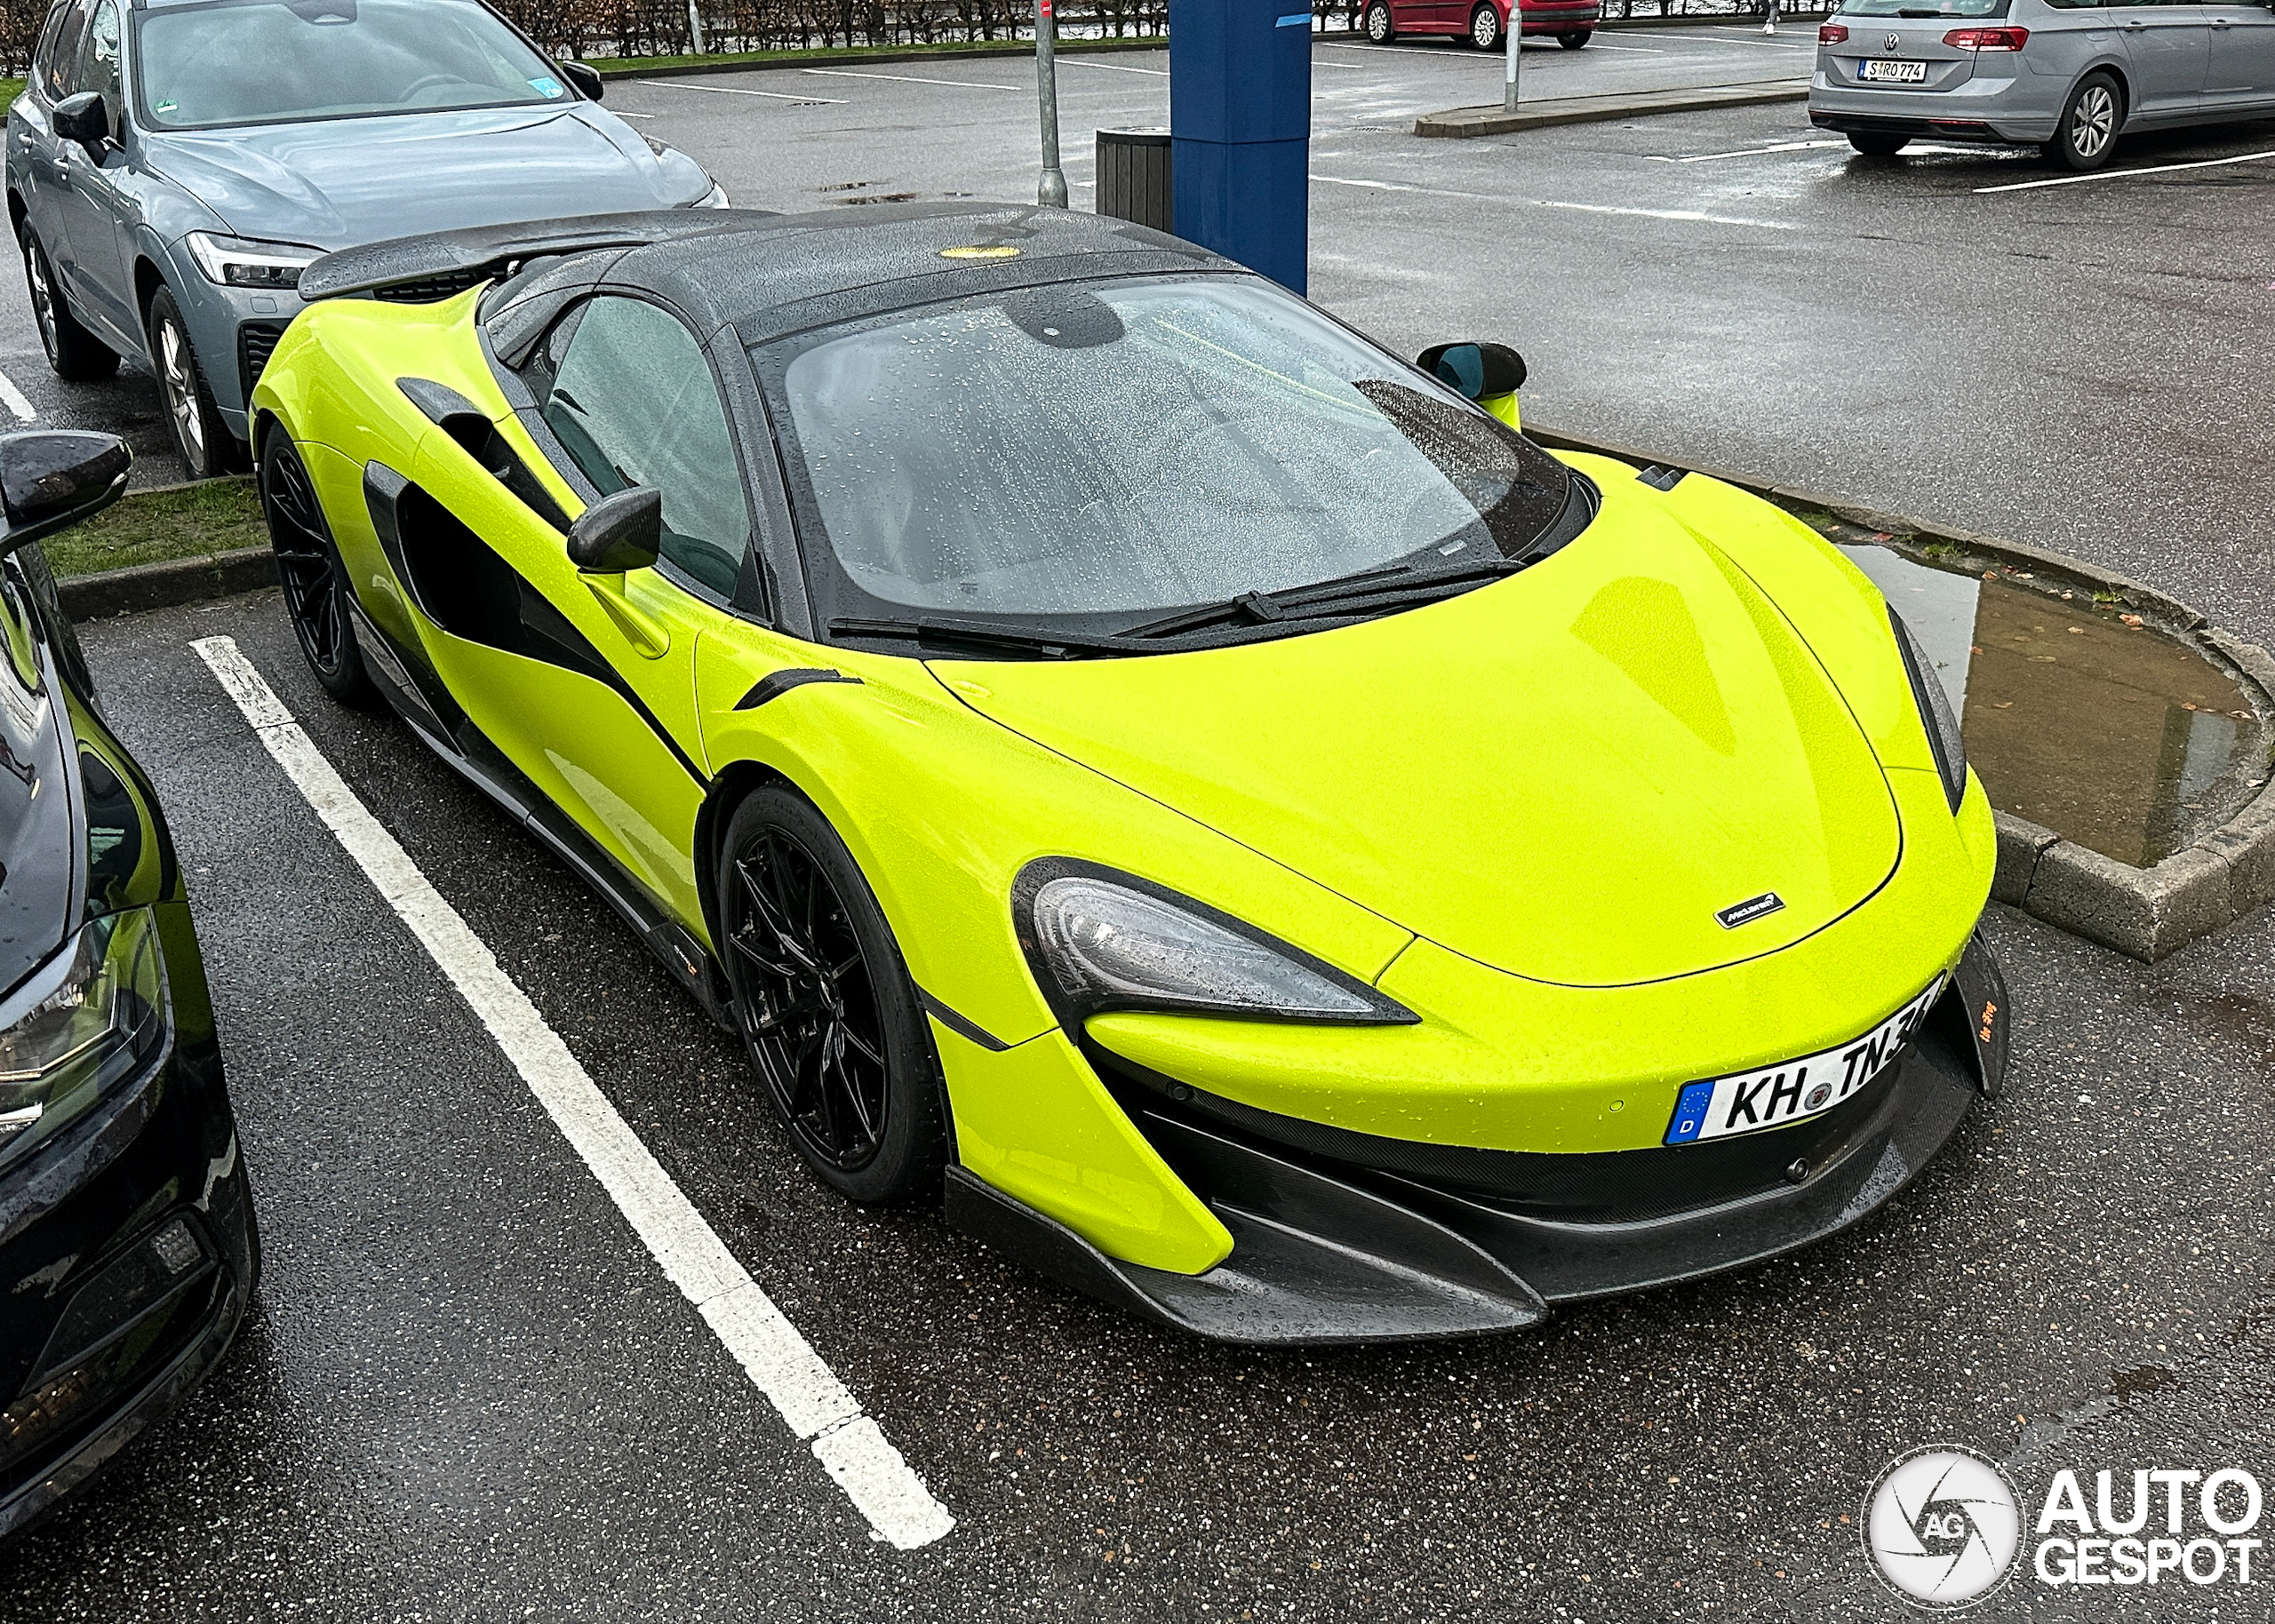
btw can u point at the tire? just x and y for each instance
(1485, 29)
(828, 1014)
(207, 447)
(1379, 31)
(2091, 121)
(1877, 143)
(1575, 39)
(315, 582)
(76, 356)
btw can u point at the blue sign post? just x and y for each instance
(1240, 131)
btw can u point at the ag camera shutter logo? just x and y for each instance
(1942, 1527)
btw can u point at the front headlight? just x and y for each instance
(88, 1017)
(1936, 711)
(240, 262)
(1103, 942)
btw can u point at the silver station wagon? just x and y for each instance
(2067, 75)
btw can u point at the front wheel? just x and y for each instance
(315, 582)
(1576, 38)
(826, 1007)
(201, 435)
(2090, 121)
(1379, 30)
(1485, 29)
(1877, 144)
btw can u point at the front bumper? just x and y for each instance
(1340, 1237)
(112, 1316)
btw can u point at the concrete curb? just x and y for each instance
(981, 53)
(1467, 124)
(177, 581)
(2146, 913)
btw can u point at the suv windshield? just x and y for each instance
(272, 61)
(1091, 457)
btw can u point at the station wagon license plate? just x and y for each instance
(1781, 1094)
(1880, 72)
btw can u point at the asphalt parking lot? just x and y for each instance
(470, 1392)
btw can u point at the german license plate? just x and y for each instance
(1798, 1089)
(1878, 71)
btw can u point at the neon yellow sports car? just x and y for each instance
(1255, 834)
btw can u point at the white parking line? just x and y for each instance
(1692, 215)
(1112, 68)
(969, 84)
(2119, 174)
(779, 1362)
(729, 90)
(14, 399)
(1749, 152)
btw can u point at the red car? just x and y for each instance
(1482, 22)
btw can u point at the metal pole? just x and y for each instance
(1512, 37)
(1052, 193)
(695, 28)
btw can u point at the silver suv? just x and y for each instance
(2068, 75)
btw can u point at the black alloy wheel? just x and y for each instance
(308, 567)
(1379, 30)
(828, 1013)
(75, 354)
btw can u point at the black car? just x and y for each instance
(127, 1246)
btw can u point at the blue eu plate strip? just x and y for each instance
(1690, 1112)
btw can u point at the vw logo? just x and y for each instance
(1895, 42)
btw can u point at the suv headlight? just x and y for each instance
(241, 262)
(87, 1018)
(1101, 942)
(1936, 711)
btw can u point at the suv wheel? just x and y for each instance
(1379, 31)
(2090, 121)
(75, 353)
(201, 435)
(1485, 29)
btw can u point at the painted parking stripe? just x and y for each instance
(969, 84)
(730, 90)
(2120, 174)
(1692, 216)
(1750, 152)
(12, 398)
(1111, 68)
(779, 1361)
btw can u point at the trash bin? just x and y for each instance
(1133, 172)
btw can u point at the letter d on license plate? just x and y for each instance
(1778, 1094)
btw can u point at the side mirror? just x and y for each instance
(617, 533)
(1479, 371)
(51, 479)
(586, 77)
(83, 119)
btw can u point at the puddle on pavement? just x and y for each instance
(2117, 736)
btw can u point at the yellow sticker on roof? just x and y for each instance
(981, 251)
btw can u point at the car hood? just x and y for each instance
(333, 183)
(1565, 775)
(39, 842)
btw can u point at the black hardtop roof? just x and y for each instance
(771, 274)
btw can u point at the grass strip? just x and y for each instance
(150, 527)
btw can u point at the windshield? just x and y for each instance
(1930, 8)
(271, 62)
(1095, 454)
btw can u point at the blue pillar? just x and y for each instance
(1240, 131)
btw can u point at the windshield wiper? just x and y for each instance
(1049, 645)
(1368, 592)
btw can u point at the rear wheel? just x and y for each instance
(201, 433)
(75, 354)
(826, 1007)
(1485, 29)
(2090, 121)
(1378, 25)
(1877, 143)
(316, 583)
(1576, 38)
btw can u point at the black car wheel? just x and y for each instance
(1378, 25)
(2090, 121)
(1485, 29)
(76, 354)
(1878, 143)
(201, 435)
(827, 1009)
(1576, 38)
(315, 582)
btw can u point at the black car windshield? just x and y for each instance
(1925, 9)
(1093, 455)
(273, 61)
